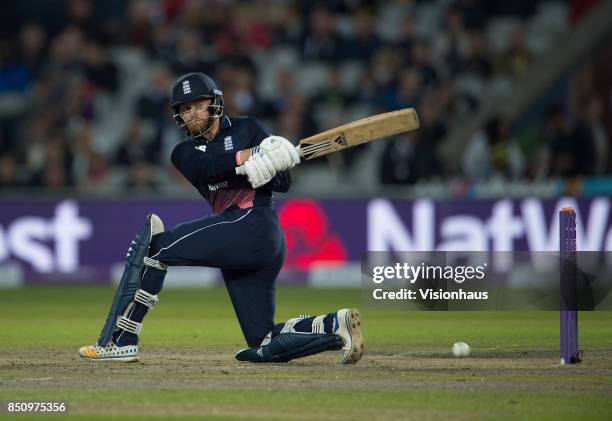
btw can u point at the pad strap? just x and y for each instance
(288, 327)
(267, 339)
(129, 325)
(155, 264)
(289, 324)
(131, 249)
(145, 298)
(317, 324)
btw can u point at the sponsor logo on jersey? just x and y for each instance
(201, 148)
(217, 186)
(228, 144)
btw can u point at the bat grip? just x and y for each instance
(242, 171)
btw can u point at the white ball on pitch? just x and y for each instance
(461, 349)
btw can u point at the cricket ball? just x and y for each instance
(461, 349)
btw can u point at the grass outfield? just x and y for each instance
(187, 367)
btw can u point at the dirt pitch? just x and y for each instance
(515, 374)
(188, 370)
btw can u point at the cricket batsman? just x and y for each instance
(242, 237)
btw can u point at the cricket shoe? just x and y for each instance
(110, 352)
(348, 327)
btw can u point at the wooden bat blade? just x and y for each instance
(358, 132)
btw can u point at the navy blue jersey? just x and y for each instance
(210, 166)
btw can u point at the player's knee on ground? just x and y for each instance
(288, 346)
(255, 339)
(301, 324)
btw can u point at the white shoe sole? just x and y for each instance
(113, 359)
(351, 332)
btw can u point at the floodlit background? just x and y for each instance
(508, 91)
(515, 102)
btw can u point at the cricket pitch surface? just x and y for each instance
(187, 367)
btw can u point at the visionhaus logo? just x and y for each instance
(425, 294)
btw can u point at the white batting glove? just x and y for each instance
(280, 151)
(259, 170)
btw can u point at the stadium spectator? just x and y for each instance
(138, 29)
(364, 42)
(32, 48)
(70, 64)
(403, 93)
(477, 61)
(321, 40)
(241, 93)
(80, 14)
(420, 59)
(398, 161)
(99, 70)
(188, 56)
(56, 169)
(428, 139)
(453, 43)
(571, 147)
(9, 177)
(141, 178)
(153, 103)
(15, 76)
(406, 37)
(516, 59)
(593, 119)
(285, 88)
(139, 145)
(408, 159)
(332, 94)
(493, 153)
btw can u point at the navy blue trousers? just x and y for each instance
(248, 246)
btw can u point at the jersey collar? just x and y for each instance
(225, 122)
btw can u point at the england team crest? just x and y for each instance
(228, 143)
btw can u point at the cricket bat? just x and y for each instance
(355, 133)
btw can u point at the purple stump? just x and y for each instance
(569, 313)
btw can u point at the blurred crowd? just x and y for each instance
(84, 85)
